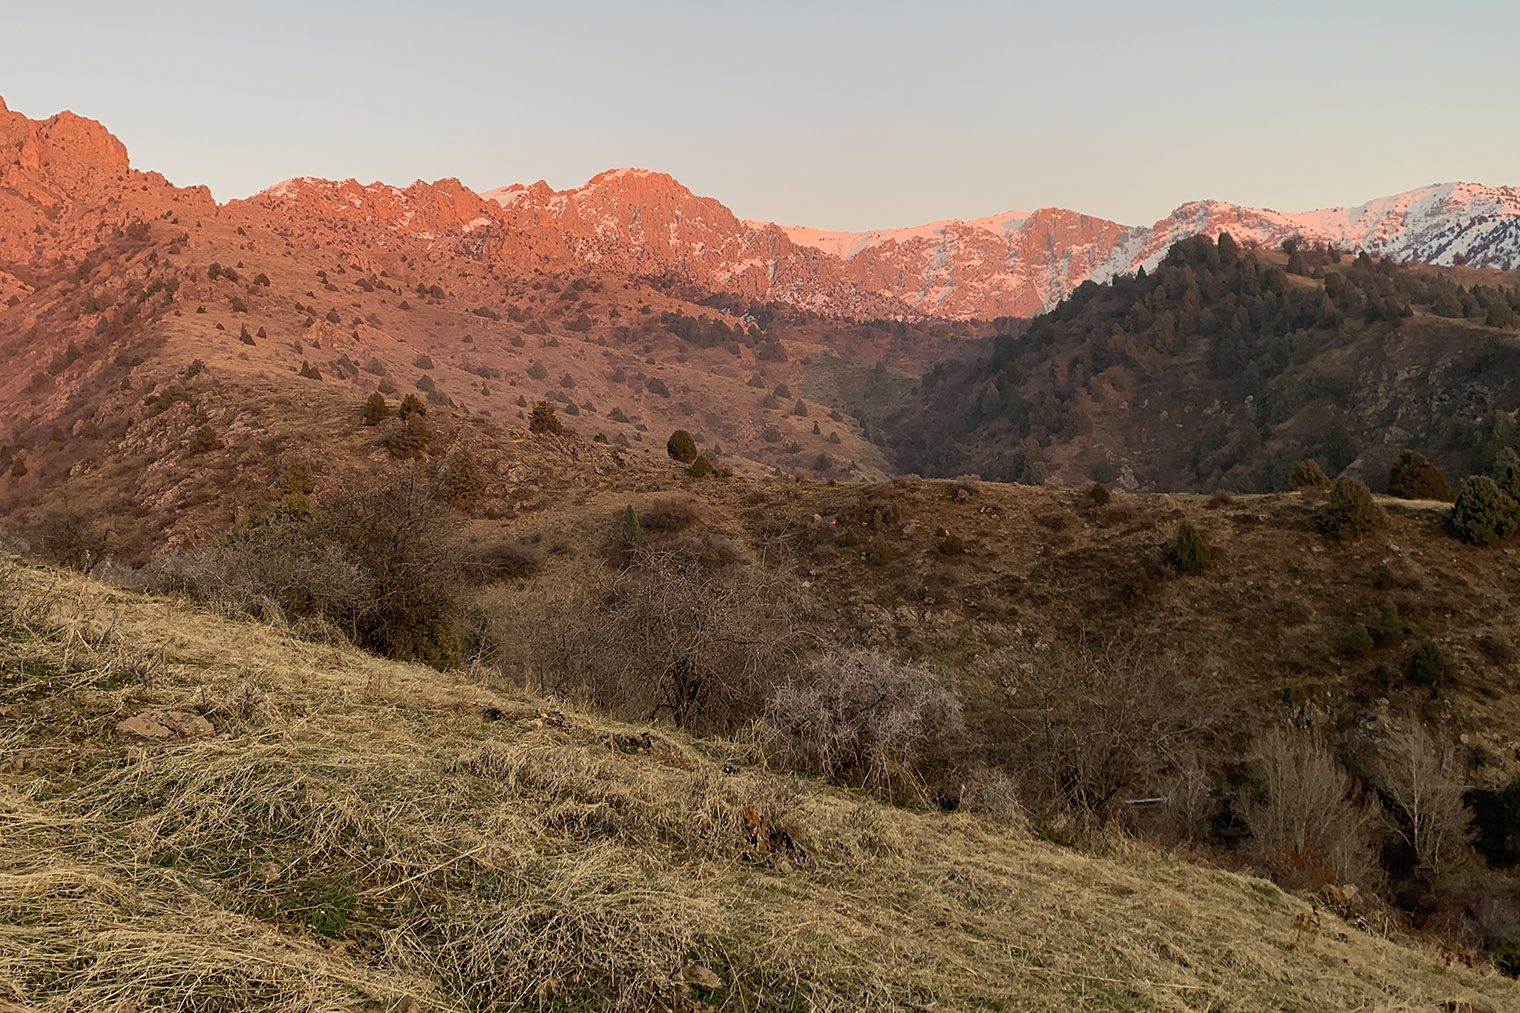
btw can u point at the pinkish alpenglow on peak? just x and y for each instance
(1011, 264)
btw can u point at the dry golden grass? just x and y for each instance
(359, 834)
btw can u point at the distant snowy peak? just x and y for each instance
(845, 245)
(1441, 224)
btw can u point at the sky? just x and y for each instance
(836, 115)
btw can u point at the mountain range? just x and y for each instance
(643, 223)
(640, 222)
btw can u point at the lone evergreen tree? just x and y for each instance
(1390, 629)
(681, 446)
(1506, 472)
(1426, 666)
(1351, 513)
(632, 535)
(410, 439)
(543, 419)
(1483, 513)
(1189, 552)
(461, 478)
(376, 410)
(1414, 477)
(1307, 474)
(297, 476)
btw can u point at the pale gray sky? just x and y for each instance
(836, 115)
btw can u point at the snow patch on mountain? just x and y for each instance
(845, 245)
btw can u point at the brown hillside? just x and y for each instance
(335, 831)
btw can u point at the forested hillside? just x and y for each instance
(1225, 366)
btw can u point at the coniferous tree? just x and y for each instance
(1189, 552)
(410, 439)
(1414, 477)
(462, 482)
(1389, 629)
(681, 446)
(631, 534)
(1483, 514)
(1307, 474)
(376, 410)
(1352, 513)
(296, 477)
(543, 419)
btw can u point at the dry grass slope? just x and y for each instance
(357, 834)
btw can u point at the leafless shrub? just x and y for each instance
(1309, 825)
(1056, 520)
(1097, 722)
(1423, 776)
(672, 640)
(279, 569)
(501, 561)
(710, 550)
(70, 538)
(864, 719)
(1189, 800)
(10, 594)
(990, 792)
(375, 563)
(671, 513)
(1111, 514)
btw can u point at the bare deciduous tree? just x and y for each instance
(1309, 825)
(1422, 774)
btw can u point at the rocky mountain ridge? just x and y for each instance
(644, 224)
(1010, 264)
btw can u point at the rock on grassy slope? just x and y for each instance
(359, 834)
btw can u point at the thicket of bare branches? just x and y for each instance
(1310, 826)
(864, 719)
(670, 639)
(1098, 722)
(1422, 775)
(376, 563)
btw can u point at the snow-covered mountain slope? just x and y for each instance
(1444, 223)
(1011, 264)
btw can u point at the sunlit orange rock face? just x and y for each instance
(51, 159)
(65, 186)
(642, 223)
